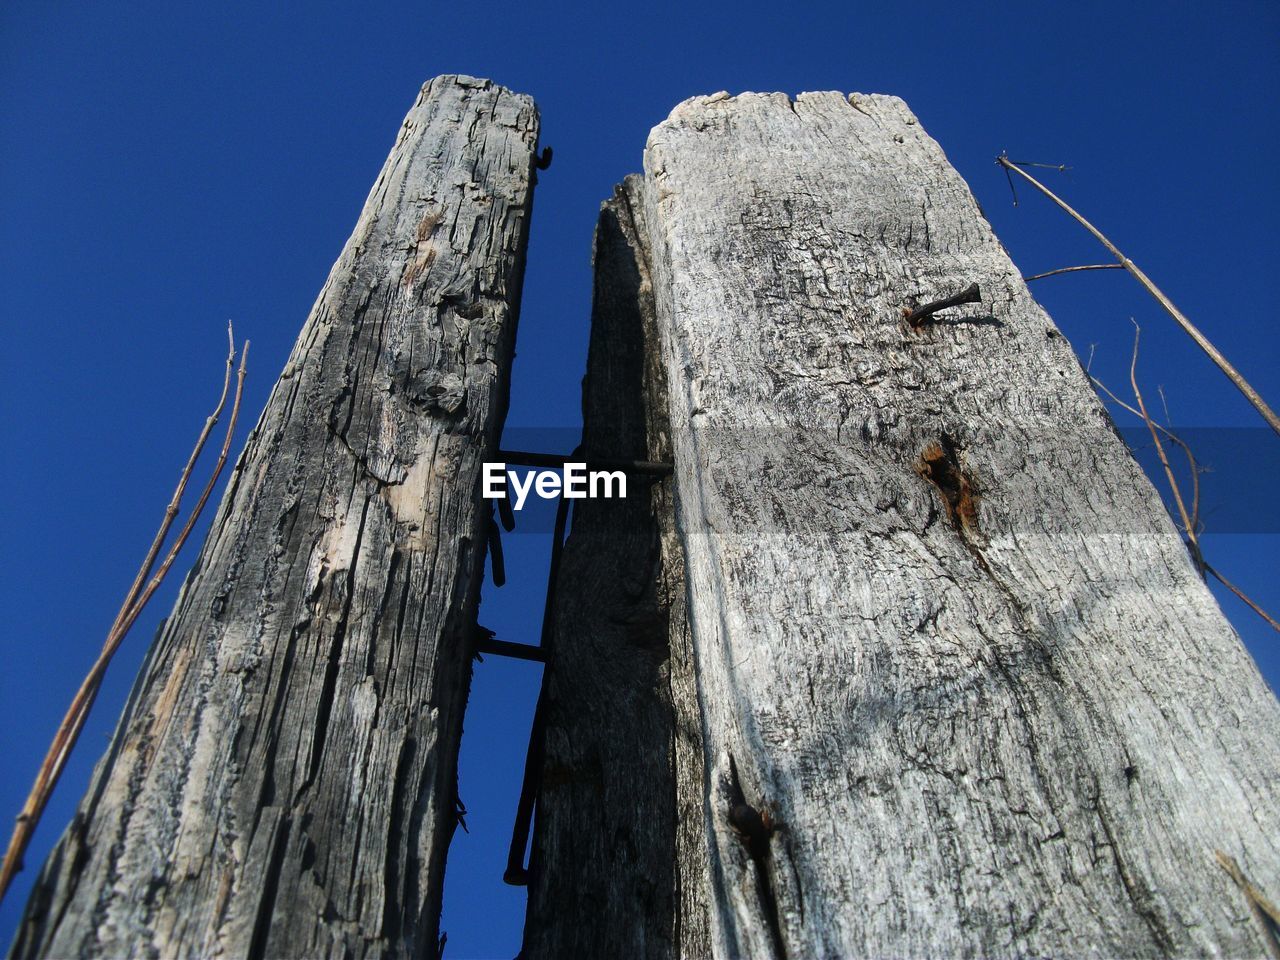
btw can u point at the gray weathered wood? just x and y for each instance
(283, 780)
(941, 626)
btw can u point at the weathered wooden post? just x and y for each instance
(617, 867)
(907, 659)
(282, 782)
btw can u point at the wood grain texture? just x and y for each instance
(942, 629)
(282, 782)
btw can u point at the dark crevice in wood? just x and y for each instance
(393, 919)
(269, 892)
(941, 465)
(1142, 900)
(392, 581)
(334, 660)
(755, 830)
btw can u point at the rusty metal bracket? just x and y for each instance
(506, 515)
(486, 642)
(517, 874)
(493, 538)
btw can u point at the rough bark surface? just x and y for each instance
(943, 631)
(613, 872)
(282, 782)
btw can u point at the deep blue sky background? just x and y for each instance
(165, 167)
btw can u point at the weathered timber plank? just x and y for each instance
(613, 872)
(942, 627)
(283, 780)
(1015, 724)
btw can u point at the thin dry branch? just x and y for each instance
(171, 511)
(1263, 910)
(1195, 468)
(181, 539)
(1239, 593)
(136, 598)
(1201, 340)
(1192, 464)
(1188, 527)
(1087, 266)
(1195, 488)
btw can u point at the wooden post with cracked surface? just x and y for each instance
(907, 593)
(282, 781)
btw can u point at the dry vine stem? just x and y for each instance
(1087, 266)
(1171, 436)
(1188, 524)
(1263, 910)
(1239, 593)
(1193, 520)
(134, 602)
(1201, 340)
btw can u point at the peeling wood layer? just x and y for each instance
(282, 782)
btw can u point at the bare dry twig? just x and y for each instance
(1188, 527)
(1087, 266)
(1179, 317)
(1263, 910)
(136, 598)
(1193, 520)
(1237, 591)
(1192, 464)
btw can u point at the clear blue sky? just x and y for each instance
(165, 167)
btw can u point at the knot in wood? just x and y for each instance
(433, 391)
